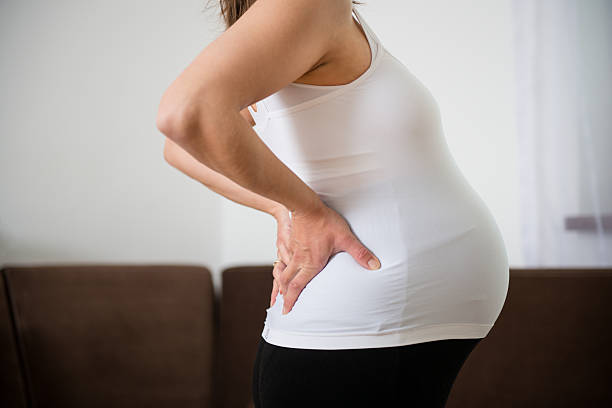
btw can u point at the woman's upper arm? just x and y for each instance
(271, 45)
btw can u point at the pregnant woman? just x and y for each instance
(298, 110)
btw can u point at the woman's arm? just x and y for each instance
(177, 157)
(271, 45)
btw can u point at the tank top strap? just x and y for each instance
(369, 32)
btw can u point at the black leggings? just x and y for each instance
(417, 375)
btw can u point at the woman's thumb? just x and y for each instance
(362, 255)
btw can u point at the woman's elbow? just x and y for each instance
(173, 124)
(165, 122)
(177, 119)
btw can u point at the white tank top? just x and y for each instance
(374, 150)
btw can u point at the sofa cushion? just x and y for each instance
(120, 336)
(244, 298)
(12, 383)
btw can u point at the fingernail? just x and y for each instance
(373, 263)
(285, 311)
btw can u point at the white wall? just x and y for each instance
(463, 52)
(81, 169)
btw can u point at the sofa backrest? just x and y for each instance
(100, 336)
(244, 298)
(12, 381)
(95, 336)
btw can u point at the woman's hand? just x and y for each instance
(314, 237)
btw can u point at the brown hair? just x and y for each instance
(231, 10)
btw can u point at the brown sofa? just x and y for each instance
(157, 336)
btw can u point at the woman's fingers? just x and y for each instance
(276, 272)
(285, 276)
(274, 292)
(361, 254)
(295, 287)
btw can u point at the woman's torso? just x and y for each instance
(374, 150)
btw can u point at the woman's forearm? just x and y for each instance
(177, 157)
(220, 138)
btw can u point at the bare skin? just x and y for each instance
(203, 112)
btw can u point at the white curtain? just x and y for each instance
(564, 107)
